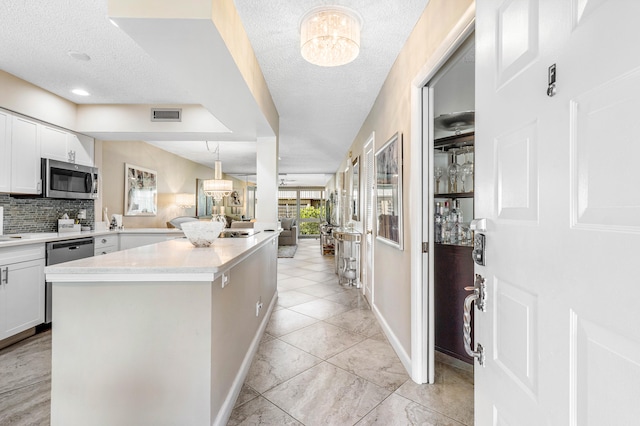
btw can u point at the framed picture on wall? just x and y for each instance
(389, 192)
(355, 189)
(140, 191)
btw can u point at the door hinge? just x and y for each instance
(425, 247)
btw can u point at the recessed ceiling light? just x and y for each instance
(80, 92)
(78, 55)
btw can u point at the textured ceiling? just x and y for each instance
(321, 109)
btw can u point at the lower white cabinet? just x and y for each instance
(104, 244)
(21, 288)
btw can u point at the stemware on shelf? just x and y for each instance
(453, 171)
(437, 174)
(466, 169)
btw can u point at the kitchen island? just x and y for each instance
(160, 334)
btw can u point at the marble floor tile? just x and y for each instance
(27, 405)
(319, 276)
(275, 362)
(375, 361)
(247, 393)
(322, 340)
(290, 298)
(327, 395)
(319, 267)
(451, 395)
(322, 289)
(352, 298)
(294, 283)
(397, 411)
(362, 321)
(26, 362)
(285, 321)
(259, 411)
(296, 272)
(320, 309)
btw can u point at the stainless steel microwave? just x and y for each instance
(68, 180)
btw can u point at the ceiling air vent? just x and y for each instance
(166, 114)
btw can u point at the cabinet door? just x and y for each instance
(5, 152)
(21, 297)
(25, 157)
(82, 148)
(53, 144)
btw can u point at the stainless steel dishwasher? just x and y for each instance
(65, 251)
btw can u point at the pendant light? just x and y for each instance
(217, 188)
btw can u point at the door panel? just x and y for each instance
(557, 182)
(368, 220)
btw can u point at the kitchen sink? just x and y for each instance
(239, 233)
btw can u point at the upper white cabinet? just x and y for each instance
(81, 149)
(60, 145)
(25, 156)
(53, 143)
(5, 152)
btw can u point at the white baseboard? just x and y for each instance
(225, 411)
(405, 359)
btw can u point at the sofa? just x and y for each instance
(289, 234)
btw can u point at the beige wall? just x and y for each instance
(175, 174)
(391, 113)
(24, 98)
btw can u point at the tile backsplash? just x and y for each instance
(26, 214)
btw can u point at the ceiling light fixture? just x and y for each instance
(80, 92)
(330, 36)
(81, 56)
(217, 187)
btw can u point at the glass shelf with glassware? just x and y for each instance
(453, 189)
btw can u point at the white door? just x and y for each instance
(557, 180)
(367, 276)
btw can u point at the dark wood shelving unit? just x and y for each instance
(453, 271)
(454, 195)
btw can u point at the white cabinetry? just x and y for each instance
(61, 145)
(5, 152)
(21, 288)
(25, 156)
(53, 143)
(104, 244)
(81, 148)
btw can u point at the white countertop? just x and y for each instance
(174, 260)
(11, 240)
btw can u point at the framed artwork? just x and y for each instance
(204, 204)
(140, 191)
(234, 200)
(389, 192)
(355, 189)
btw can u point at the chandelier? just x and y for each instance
(217, 188)
(330, 36)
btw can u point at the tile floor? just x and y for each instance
(323, 360)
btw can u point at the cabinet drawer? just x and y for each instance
(101, 241)
(24, 253)
(104, 250)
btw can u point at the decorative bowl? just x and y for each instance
(202, 234)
